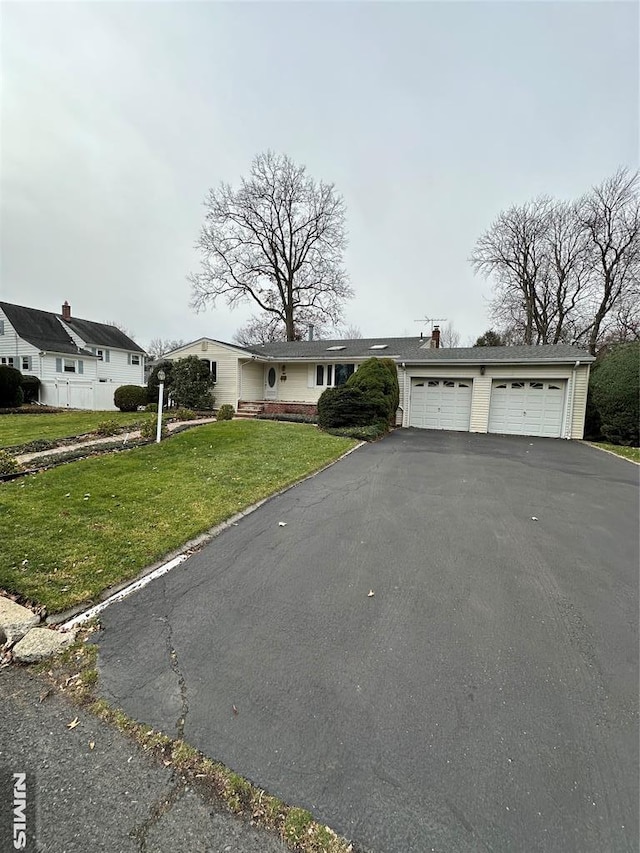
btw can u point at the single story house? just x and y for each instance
(79, 363)
(517, 390)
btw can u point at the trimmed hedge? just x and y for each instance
(370, 396)
(129, 398)
(11, 393)
(290, 417)
(30, 387)
(613, 411)
(362, 433)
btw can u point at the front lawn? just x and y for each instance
(632, 453)
(20, 429)
(69, 533)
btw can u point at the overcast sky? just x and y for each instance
(428, 117)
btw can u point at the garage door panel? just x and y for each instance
(531, 407)
(440, 404)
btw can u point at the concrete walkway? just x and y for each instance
(91, 443)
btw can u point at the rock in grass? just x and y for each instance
(41, 643)
(15, 621)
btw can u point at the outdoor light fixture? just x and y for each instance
(482, 370)
(161, 377)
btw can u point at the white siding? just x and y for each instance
(579, 401)
(480, 403)
(226, 358)
(251, 380)
(48, 367)
(118, 369)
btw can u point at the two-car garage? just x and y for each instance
(516, 407)
(477, 392)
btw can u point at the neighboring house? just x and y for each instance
(79, 363)
(519, 390)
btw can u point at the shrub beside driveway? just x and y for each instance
(71, 532)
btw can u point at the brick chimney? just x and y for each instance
(435, 338)
(66, 311)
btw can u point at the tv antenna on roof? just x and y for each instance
(432, 320)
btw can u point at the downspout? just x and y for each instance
(404, 393)
(569, 420)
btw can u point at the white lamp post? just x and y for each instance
(161, 377)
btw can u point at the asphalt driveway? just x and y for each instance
(485, 698)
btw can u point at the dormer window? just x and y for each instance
(379, 346)
(336, 348)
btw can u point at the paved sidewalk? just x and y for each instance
(123, 438)
(111, 798)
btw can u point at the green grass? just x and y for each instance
(632, 453)
(20, 429)
(69, 533)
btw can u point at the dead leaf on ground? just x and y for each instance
(234, 709)
(282, 524)
(370, 594)
(75, 722)
(92, 744)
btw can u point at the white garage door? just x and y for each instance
(527, 407)
(441, 404)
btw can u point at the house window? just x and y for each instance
(449, 384)
(135, 359)
(320, 374)
(100, 354)
(329, 373)
(517, 384)
(69, 366)
(213, 368)
(8, 360)
(1, 327)
(537, 386)
(342, 372)
(26, 362)
(433, 383)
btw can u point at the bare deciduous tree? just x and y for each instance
(277, 241)
(610, 216)
(265, 328)
(159, 346)
(566, 271)
(449, 336)
(351, 333)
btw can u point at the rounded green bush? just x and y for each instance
(129, 398)
(151, 407)
(11, 393)
(225, 412)
(30, 387)
(614, 394)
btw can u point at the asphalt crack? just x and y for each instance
(175, 668)
(158, 809)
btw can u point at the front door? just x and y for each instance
(270, 383)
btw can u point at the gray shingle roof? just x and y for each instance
(40, 328)
(102, 335)
(44, 330)
(417, 351)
